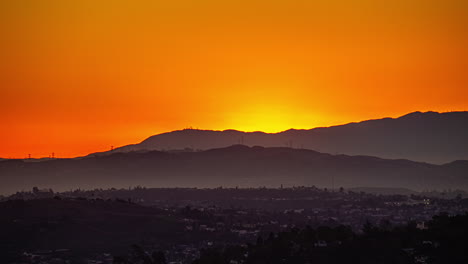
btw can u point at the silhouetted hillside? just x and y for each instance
(428, 137)
(84, 227)
(237, 165)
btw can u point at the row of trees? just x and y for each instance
(443, 242)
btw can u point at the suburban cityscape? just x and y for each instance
(213, 218)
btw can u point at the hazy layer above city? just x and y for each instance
(179, 158)
(233, 166)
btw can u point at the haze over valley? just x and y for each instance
(200, 158)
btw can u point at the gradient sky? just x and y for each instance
(79, 76)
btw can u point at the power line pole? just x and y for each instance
(333, 182)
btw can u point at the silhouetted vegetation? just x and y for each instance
(139, 256)
(443, 242)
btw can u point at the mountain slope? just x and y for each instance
(428, 137)
(233, 166)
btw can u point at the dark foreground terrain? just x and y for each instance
(444, 241)
(257, 225)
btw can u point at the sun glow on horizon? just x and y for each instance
(80, 76)
(271, 119)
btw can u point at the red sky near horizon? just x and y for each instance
(79, 76)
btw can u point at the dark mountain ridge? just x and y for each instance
(233, 166)
(427, 137)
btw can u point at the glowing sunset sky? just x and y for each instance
(79, 76)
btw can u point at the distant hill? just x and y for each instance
(237, 165)
(427, 137)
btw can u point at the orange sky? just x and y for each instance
(79, 76)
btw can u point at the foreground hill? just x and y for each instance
(427, 137)
(237, 165)
(84, 227)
